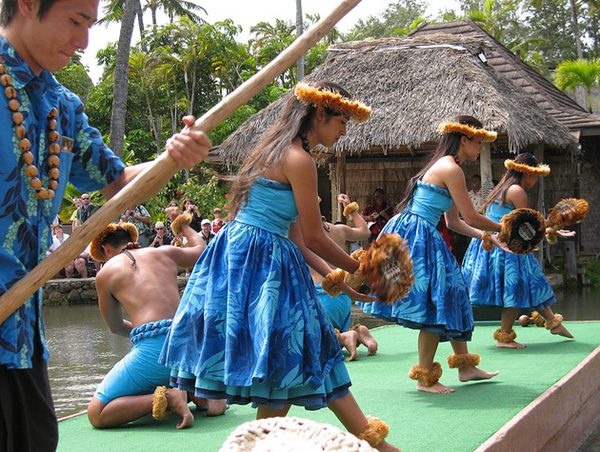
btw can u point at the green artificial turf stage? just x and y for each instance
(457, 422)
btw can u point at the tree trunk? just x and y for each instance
(119, 105)
(140, 17)
(576, 32)
(299, 31)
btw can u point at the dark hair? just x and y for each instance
(295, 120)
(9, 9)
(511, 177)
(448, 145)
(117, 238)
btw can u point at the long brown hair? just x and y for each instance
(511, 177)
(448, 145)
(296, 119)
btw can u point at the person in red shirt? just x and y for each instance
(217, 223)
(377, 213)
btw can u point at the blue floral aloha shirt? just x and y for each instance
(24, 219)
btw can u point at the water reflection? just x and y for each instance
(83, 349)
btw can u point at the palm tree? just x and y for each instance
(489, 17)
(175, 8)
(127, 10)
(141, 66)
(119, 107)
(571, 74)
(299, 31)
(270, 40)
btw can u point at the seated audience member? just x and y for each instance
(160, 236)
(139, 216)
(79, 264)
(188, 206)
(217, 222)
(206, 233)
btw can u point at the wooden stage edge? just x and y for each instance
(559, 419)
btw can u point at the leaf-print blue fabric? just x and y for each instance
(250, 327)
(501, 279)
(25, 220)
(438, 300)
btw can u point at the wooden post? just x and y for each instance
(485, 170)
(341, 184)
(539, 204)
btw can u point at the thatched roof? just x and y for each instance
(413, 84)
(560, 106)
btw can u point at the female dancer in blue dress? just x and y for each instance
(438, 304)
(513, 282)
(250, 327)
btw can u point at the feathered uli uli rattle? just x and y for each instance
(566, 212)
(385, 267)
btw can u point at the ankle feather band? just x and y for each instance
(507, 338)
(159, 403)
(425, 376)
(375, 432)
(556, 321)
(538, 319)
(464, 360)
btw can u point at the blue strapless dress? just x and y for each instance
(438, 300)
(501, 279)
(250, 327)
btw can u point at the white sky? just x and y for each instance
(249, 12)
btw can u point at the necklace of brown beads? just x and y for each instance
(52, 162)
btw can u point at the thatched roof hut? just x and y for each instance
(510, 66)
(416, 82)
(413, 84)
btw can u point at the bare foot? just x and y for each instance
(216, 407)
(366, 338)
(473, 373)
(437, 388)
(348, 340)
(562, 331)
(512, 344)
(200, 402)
(384, 446)
(177, 400)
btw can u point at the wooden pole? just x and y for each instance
(164, 167)
(485, 170)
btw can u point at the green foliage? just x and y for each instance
(592, 271)
(74, 76)
(203, 187)
(573, 73)
(397, 19)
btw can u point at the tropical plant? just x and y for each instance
(571, 74)
(74, 76)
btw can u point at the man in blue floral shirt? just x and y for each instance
(45, 141)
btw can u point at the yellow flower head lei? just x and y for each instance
(96, 250)
(319, 97)
(540, 170)
(470, 131)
